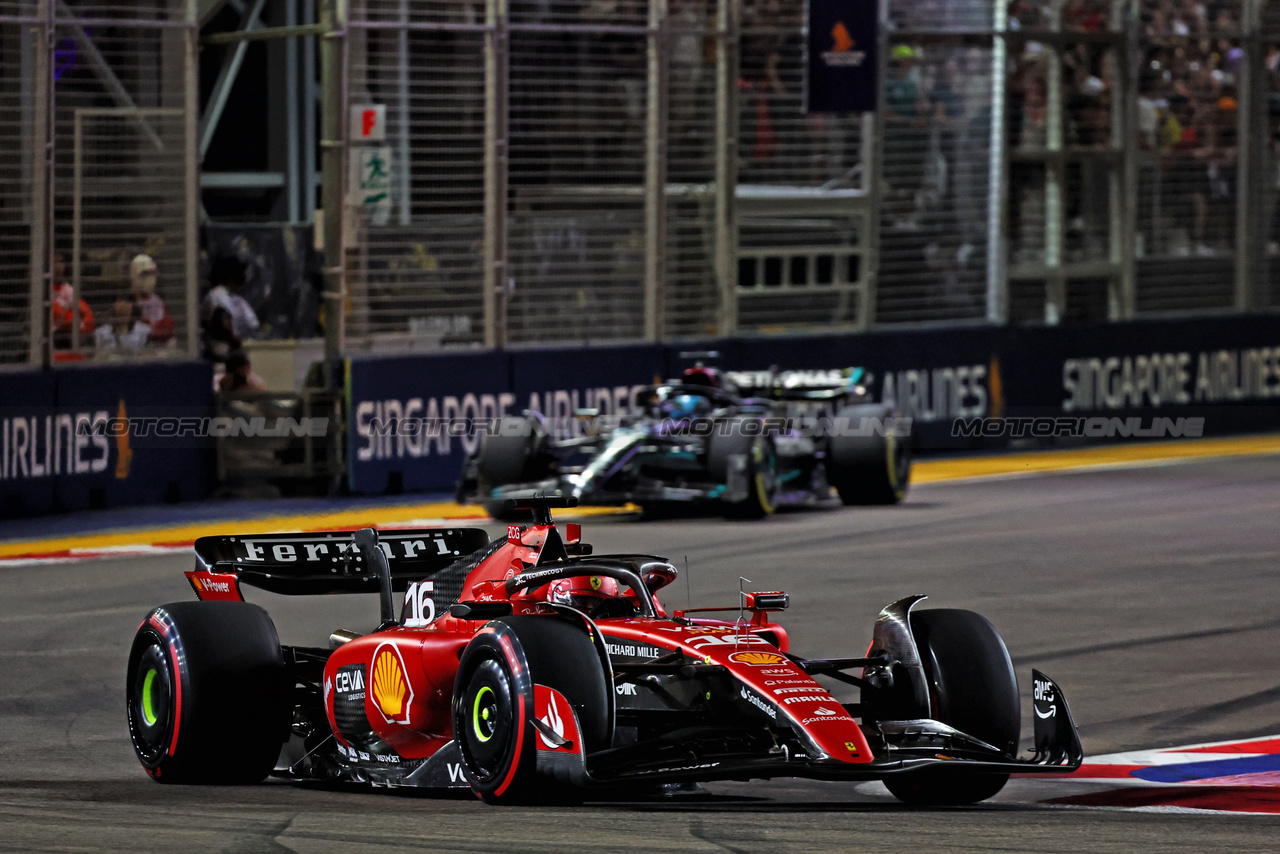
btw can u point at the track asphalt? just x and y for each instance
(1148, 591)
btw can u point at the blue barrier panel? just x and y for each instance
(933, 376)
(27, 467)
(557, 382)
(106, 436)
(1224, 370)
(155, 446)
(401, 410)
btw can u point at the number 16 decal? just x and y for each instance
(419, 607)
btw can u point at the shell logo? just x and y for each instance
(757, 658)
(391, 693)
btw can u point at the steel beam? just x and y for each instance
(226, 79)
(495, 278)
(108, 77)
(728, 32)
(998, 177)
(655, 173)
(333, 62)
(41, 340)
(264, 34)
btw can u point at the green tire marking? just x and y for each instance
(475, 713)
(148, 708)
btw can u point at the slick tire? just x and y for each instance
(207, 693)
(971, 687)
(493, 704)
(513, 454)
(870, 469)
(762, 469)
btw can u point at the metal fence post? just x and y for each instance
(334, 147)
(191, 130)
(655, 173)
(41, 187)
(1124, 191)
(1250, 160)
(873, 172)
(728, 31)
(494, 279)
(1055, 305)
(998, 184)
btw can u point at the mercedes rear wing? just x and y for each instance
(324, 562)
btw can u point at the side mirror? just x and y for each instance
(772, 601)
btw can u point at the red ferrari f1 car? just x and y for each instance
(529, 668)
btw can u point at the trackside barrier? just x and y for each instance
(966, 388)
(94, 437)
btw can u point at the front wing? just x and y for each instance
(699, 754)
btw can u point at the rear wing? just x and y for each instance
(818, 385)
(326, 562)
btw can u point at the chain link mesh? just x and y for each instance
(121, 168)
(576, 233)
(414, 269)
(1188, 142)
(1269, 209)
(17, 115)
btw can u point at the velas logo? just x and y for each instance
(842, 42)
(392, 693)
(842, 53)
(759, 659)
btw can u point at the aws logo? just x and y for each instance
(392, 693)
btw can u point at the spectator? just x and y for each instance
(62, 313)
(151, 308)
(239, 376)
(905, 134)
(759, 82)
(126, 333)
(225, 315)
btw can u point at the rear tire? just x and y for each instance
(869, 469)
(514, 454)
(761, 473)
(207, 693)
(493, 704)
(972, 687)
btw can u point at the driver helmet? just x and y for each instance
(583, 592)
(689, 405)
(701, 375)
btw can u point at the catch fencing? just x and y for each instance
(97, 115)
(645, 170)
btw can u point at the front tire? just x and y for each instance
(207, 695)
(493, 704)
(761, 468)
(972, 687)
(871, 469)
